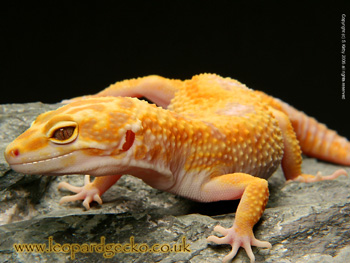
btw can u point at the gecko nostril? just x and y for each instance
(14, 152)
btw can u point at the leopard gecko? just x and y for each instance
(208, 139)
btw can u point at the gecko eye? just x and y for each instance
(63, 133)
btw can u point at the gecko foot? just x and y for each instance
(88, 193)
(232, 237)
(307, 178)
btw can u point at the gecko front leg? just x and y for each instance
(91, 191)
(254, 194)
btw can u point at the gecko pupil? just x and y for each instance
(62, 134)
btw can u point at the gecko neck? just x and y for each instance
(151, 157)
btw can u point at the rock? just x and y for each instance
(304, 222)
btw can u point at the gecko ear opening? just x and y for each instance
(129, 140)
(63, 132)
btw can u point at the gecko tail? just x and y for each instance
(316, 139)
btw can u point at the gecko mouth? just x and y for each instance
(76, 162)
(39, 166)
(42, 161)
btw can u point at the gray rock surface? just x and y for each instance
(304, 222)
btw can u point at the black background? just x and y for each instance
(60, 50)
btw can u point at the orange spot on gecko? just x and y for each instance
(94, 107)
(140, 152)
(94, 152)
(27, 134)
(86, 127)
(155, 151)
(36, 144)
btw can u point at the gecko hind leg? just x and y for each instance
(291, 162)
(307, 178)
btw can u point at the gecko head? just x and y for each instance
(83, 137)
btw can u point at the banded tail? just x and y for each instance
(315, 139)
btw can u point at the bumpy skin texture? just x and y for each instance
(212, 139)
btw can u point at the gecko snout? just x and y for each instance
(12, 153)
